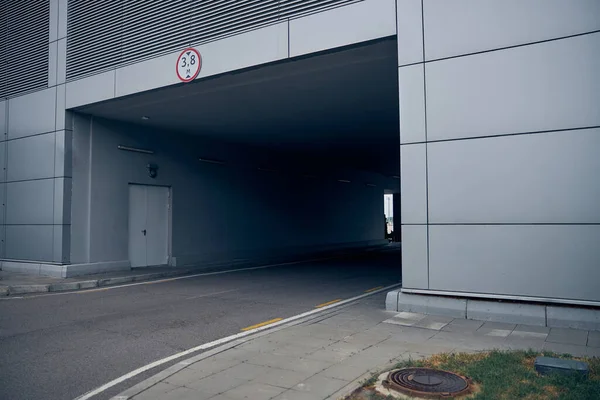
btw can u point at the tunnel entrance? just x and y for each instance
(266, 163)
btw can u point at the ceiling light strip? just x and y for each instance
(135, 150)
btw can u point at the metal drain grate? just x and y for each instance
(428, 383)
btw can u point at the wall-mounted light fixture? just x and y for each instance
(145, 117)
(206, 160)
(343, 180)
(396, 177)
(152, 170)
(135, 150)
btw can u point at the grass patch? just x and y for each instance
(503, 375)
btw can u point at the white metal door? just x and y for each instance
(137, 225)
(148, 225)
(157, 225)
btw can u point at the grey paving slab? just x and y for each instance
(412, 335)
(156, 392)
(493, 332)
(567, 336)
(347, 348)
(405, 319)
(216, 384)
(462, 325)
(320, 386)
(184, 393)
(592, 351)
(344, 372)
(532, 328)
(283, 378)
(239, 354)
(212, 365)
(367, 338)
(517, 343)
(561, 348)
(254, 391)
(329, 355)
(291, 363)
(295, 395)
(433, 322)
(365, 362)
(384, 352)
(528, 335)
(498, 325)
(593, 339)
(246, 371)
(294, 350)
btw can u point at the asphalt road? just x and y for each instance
(61, 346)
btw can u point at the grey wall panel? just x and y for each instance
(413, 183)
(355, 23)
(3, 119)
(80, 242)
(3, 161)
(61, 66)
(555, 261)
(252, 48)
(32, 113)
(62, 201)
(502, 23)
(414, 257)
(2, 204)
(61, 243)
(29, 242)
(548, 86)
(52, 63)
(410, 31)
(63, 154)
(31, 157)
(60, 107)
(412, 103)
(219, 211)
(53, 31)
(539, 178)
(62, 18)
(30, 202)
(90, 90)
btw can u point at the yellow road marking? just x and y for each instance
(272, 321)
(328, 303)
(374, 289)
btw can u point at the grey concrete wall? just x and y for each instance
(219, 211)
(499, 129)
(346, 25)
(35, 154)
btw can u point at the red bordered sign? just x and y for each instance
(189, 64)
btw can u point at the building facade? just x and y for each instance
(496, 117)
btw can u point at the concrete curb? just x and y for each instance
(89, 284)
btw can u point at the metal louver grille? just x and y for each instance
(104, 34)
(24, 31)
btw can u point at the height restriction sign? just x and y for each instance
(189, 64)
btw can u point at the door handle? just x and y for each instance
(144, 232)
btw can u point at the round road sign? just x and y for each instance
(188, 65)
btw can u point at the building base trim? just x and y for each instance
(530, 299)
(495, 310)
(64, 271)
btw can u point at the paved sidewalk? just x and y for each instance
(327, 357)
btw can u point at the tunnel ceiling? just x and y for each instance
(342, 106)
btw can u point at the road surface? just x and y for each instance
(60, 346)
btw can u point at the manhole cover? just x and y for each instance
(428, 383)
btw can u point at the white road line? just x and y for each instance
(105, 288)
(218, 342)
(211, 294)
